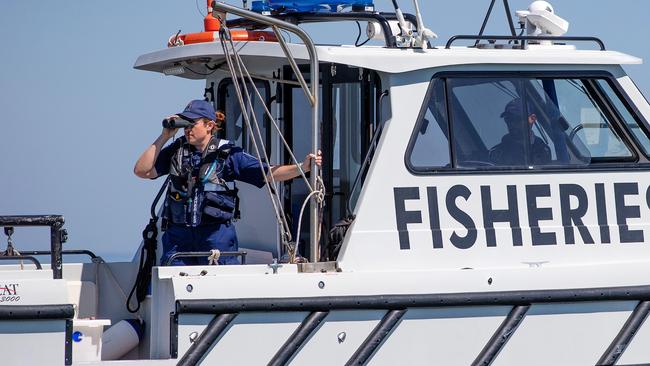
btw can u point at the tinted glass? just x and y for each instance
(236, 126)
(528, 122)
(587, 123)
(632, 123)
(431, 145)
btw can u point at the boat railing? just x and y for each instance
(524, 39)
(242, 254)
(58, 236)
(311, 92)
(29, 258)
(381, 18)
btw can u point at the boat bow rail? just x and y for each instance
(58, 235)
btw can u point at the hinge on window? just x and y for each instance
(333, 70)
(360, 74)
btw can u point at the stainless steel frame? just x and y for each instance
(312, 95)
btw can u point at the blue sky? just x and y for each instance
(76, 115)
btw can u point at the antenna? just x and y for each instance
(405, 30)
(405, 37)
(506, 7)
(424, 34)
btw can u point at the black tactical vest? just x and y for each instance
(198, 194)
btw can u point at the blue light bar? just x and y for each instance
(325, 6)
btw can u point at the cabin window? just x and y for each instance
(521, 123)
(431, 143)
(349, 99)
(636, 127)
(235, 128)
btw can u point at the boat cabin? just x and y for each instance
(482, 201)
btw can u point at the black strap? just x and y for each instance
(237, 213)
(147, 261)
(147, 256)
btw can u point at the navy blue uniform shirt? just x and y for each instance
(238, 166)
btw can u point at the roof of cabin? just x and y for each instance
(268, 56)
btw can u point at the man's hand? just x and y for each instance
(306, 164)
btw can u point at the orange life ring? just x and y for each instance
(239, 35)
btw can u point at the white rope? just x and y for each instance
(22, 264)
(12, 251)
(276, 126)
(320, 198)
(256, 134)
(280, 216)
(213, 259)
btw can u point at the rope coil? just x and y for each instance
(213, 259)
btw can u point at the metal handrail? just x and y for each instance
(524, 39)
(219, 7)
(87, 252)
(36, 262)
(175, 256)
(58, 235)
(381, 18)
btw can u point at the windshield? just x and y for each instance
(517, 122)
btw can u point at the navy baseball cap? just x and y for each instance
(197, 109)
(513, 108)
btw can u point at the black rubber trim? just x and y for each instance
(68, 342)
(397, 302)
(32, 312)
(626, 334)
(32, 220)
(524, 39)
(22, 258)
(298, 338)
(173, 335)
(63, 252)
(501, 336)
(208, 337)
(374, 340)
(57, 235)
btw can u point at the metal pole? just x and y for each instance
(314, 249)
(294, 65)
(56, 257)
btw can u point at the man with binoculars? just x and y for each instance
(201, 201)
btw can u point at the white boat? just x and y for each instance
(468, 236)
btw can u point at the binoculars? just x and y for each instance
(176, 123)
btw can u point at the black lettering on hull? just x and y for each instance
(404, 217)
(509, 215)
(467, 241)
(573, 216)
(434, 217)
(601, 210)
(624, 212)
(537, 214)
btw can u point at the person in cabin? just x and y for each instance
(511, 151)
(201, 201)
